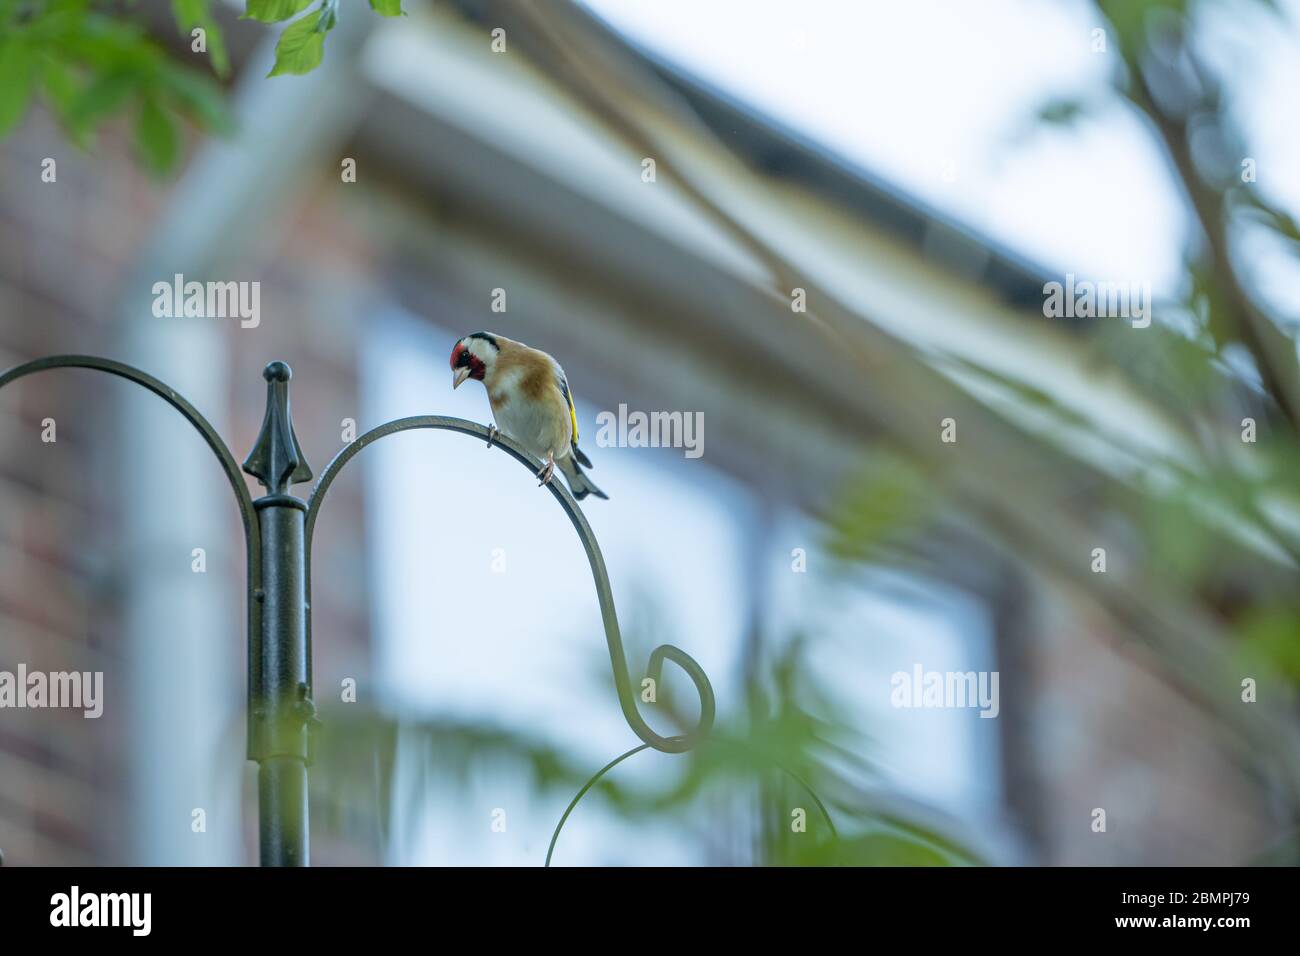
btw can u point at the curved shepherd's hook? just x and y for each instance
(204, 428)
(617, 658)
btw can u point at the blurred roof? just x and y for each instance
(779, 150)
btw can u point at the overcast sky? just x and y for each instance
(938, 97)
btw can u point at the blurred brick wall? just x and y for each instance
(1109, 734)
(65, 248)
(62, 247)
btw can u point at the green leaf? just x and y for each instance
(1281, 222)
(873, 849)
(1062, 112)
(886, 502)
(273, 11)
(60, 86)
(190, 14)
(17, 69)
(1271, 637)
(1182, 546)
(156, 137)
(302, 44)
(199, 97)
(102, 97)
(387, 8)
(1132, 19)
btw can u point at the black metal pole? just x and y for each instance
(281, 713)
(282, 775)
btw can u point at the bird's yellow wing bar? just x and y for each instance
(568, 397)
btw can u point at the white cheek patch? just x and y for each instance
(481, 350)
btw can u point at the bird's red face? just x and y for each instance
(465, 364)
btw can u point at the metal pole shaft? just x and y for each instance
(281, 715)
(282, 774)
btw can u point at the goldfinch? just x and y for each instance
(530, 401)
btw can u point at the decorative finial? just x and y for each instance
(277, 460)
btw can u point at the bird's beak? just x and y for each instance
(459, 376)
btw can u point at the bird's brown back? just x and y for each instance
(536, 368)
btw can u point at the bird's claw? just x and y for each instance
(545, 474)
(493, 431)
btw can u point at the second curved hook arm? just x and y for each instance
(623, 682)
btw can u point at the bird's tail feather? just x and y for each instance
(579, 483)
